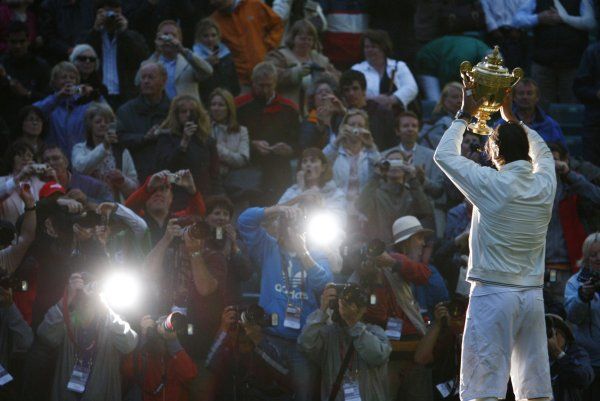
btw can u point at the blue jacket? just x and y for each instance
(434, 292)
(547, 127)
(65, 120)
(265, 252)
(585, 318)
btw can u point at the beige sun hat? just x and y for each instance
(407, 226)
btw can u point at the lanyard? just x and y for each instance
(289, 285)
(343, 355)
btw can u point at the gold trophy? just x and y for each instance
(491, 79)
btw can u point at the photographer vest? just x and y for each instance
(558, 45)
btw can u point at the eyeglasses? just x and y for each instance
(86, 59)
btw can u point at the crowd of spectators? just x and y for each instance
(196, 143)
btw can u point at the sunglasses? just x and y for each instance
(86, 59)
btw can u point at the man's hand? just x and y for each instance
(469, 104)
(173, 230)
(116, 178)
(72, 205)
(385, 259)
(329, 294)
(228, 319)
(336, 104)
(367, 139)
(187, 181)
(100, 19)
(26, 172)
(587, 291)
(106, 209)
(549, 17)
(146, 323)
(282, 149)
(152, 133)
(75, 285)
(78, 195)
(262, 147)
(562, 167)
(26, 196)
(158, 179)
(122, 23)
(441, 312)
(192, 244)
(351, 314)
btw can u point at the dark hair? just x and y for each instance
(559, 148)
(107, 3)
(326, 79)
(24, 112)
(508, 143)
(17, 27)
(350, 76)
(18, 147)
(409, 114)
(379, 38)
(327, 174)
(218, 202)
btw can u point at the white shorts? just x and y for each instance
(505, 335)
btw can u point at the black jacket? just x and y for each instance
(571, 374)
(587, 84)
(131, 51)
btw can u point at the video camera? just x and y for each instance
(14, 283)
(255, 314)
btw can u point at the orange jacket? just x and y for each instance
(250, 32)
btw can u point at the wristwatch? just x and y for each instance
(461, 114)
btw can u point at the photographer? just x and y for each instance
(160, 368)
(441, 347)
(154, 201)
(244, 364)
(396, 191)
(291, 275)
(91, 339)
(570, 366)
(20, 169)
(582, 302)
(184, 69)
(15, 338)
(391, 276)
(353, 355)
(11, 254)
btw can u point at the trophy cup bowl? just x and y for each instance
(492, 80)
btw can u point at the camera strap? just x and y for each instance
(340, 376)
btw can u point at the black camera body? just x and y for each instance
(174, 322)
(591, 275)
(201, 230)
(255, 314)
(14, 283)
(350, 293)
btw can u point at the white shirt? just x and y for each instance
(405, 83)
(526, 16)
(499, 13)
(511, 212)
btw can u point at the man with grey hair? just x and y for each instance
(273, 124)
(138, 119)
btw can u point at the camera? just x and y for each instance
(14, 283)
(255, 314)
(39, 168)
(174, 322)
(87, 219)
(110, 15)
(385, 165)
(456, 307)
(588, 274)
(173, 178)
(350, 293)
(166, 38)
(372, 250)
(201, 230)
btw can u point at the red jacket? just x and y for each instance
(180, 369)
(137, 201)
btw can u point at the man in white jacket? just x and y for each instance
(505, 330)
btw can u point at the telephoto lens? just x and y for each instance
(174, 322)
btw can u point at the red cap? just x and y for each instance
(50, 188)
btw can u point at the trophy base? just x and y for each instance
(480, 128)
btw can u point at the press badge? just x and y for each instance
(79, 378)
(393, 329)
(553, 276)
(351, 390)
(292, 317)
(5, 377)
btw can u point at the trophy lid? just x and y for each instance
(492, 64)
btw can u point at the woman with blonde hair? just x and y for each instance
(185, 142)
(353, 155)
(101, 156)
(442, 115)
(298, 62)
